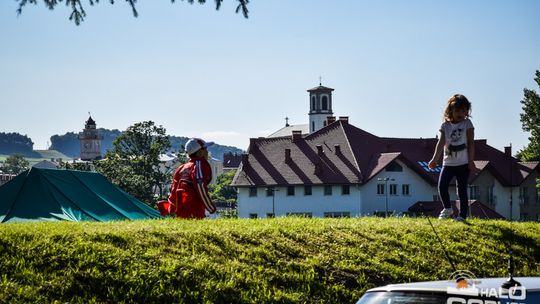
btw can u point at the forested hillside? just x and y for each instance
(15, 143)
(69, 144)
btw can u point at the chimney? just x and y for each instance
(330, 119)
(245, 159)
(344, 119)
(287, 155)
(508, 151)
(318, 169)
(320, 150)
(337, 149)
(296, 135)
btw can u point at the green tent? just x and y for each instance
(54, 195)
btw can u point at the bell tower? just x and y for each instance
(90, 141)
(320, 107)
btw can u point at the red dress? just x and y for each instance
(189, 192)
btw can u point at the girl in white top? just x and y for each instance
(457, 141)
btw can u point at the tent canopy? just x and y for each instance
(54, 195)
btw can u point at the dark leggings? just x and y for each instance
(462, 175)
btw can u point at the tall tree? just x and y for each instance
(78, 12)
(15, 164)
(530, 121)
(133, 163)
(222, 191)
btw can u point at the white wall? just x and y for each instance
(502, 202)
(419, 190)
(319, 120)
(317, 203)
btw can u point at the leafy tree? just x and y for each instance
(222, 191)
(15, 164)
(78, 13)
(133, 162)
(82, 166)
(530, 120)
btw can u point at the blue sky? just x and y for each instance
(214, 74)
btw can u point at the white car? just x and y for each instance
(470, 291)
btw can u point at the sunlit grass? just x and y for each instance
(283, 260)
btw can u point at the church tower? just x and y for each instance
(90, 141)
(320, 101)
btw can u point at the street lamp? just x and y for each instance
(385, 180)
(273, 190)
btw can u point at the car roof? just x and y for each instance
(529, 283)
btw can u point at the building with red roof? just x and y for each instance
(341, 170)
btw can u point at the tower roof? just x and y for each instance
(321, 88)
(90, 121)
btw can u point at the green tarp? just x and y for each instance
(54, 195)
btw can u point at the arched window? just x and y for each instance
(325, 102)
(313, 126)
(313, 99)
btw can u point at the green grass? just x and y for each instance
(283, 260)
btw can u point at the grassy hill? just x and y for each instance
(283, 260)
(39, 155)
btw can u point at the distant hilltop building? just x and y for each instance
(90, 141)
(231, 161)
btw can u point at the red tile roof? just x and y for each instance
(434, 208)
(362, 155)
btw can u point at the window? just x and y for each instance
(380, 189)
(325, 102)
(337, 214)
(313, 126)
(252, 191)
(523, 196)
(394, 167)
(307, 190)
(473, 192)
(253, 215)
(270, 191)
(405, 188)
(490, 196)
(313, 102)
(393, 189)
(327, 190)
(290, 191)
(345, 190)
